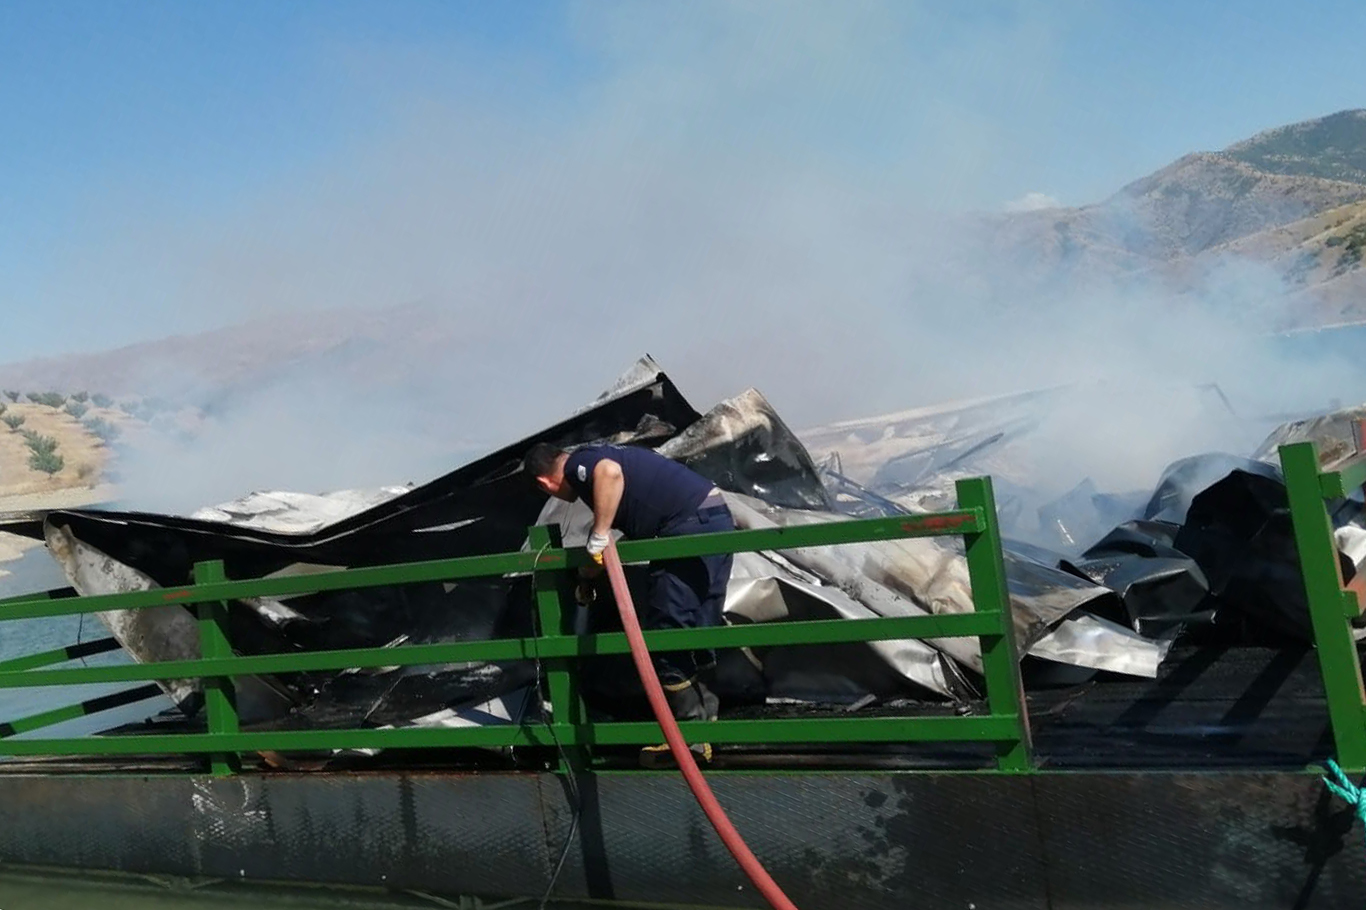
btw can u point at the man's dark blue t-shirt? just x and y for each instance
(656, 492)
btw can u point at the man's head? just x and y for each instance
(545, 465)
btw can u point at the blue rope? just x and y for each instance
(1350, 793)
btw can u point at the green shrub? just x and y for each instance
(101, 400)
(12, 396)
(76, 409)
(1353, 243)
(39, 444)
(2, 409)
(81, 397)
(48, 463)
(101, 428)
(51, 399)
(13, 421)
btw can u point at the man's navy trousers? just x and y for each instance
(691, 592)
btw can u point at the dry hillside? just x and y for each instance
(1321, 254)
(84, 455)
(1290, 198)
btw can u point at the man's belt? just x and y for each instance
(713, 501)
(713, 506)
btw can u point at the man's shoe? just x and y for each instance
(688, 700)
(661, 756)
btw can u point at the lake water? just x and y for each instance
(37, 571)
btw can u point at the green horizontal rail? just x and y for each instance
(54, 594)
(847, 730)
(60, 655)
(963, 521)
(813, 632)
(820, 534)
(1341, 481)
(79, 710)
(343, 579)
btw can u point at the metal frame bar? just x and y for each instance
(60, 655)
(53, 594)
(555, 645)
(220, 695)
(937, 524)
(1330, 605)
(550, 647)
(80, 709)
(984, 728)
(1000, 662)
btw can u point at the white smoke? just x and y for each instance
(755, 194)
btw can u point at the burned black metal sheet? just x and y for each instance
(1184, 479)
(1239, 532)
(483, 507)
(743, 446)
(1160, 587)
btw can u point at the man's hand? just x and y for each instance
(608, 485)
(597, 543)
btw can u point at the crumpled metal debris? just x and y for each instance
(1160, 587)
(486, 506)
(1210, 549)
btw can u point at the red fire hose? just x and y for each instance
(682, 754)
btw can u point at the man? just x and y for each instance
(645, 495)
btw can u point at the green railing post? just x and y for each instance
(1329, 605)
(1000, 660)
(561, 676)
(220, 696)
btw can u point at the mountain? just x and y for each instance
(1290, 198)
(1330, 148)
(222, 358)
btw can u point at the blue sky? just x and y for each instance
(170, 166)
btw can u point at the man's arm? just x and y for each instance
(608, 484)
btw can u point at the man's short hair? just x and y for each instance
(540, 461)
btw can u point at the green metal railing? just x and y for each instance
(567, 728)
(1331, 605)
